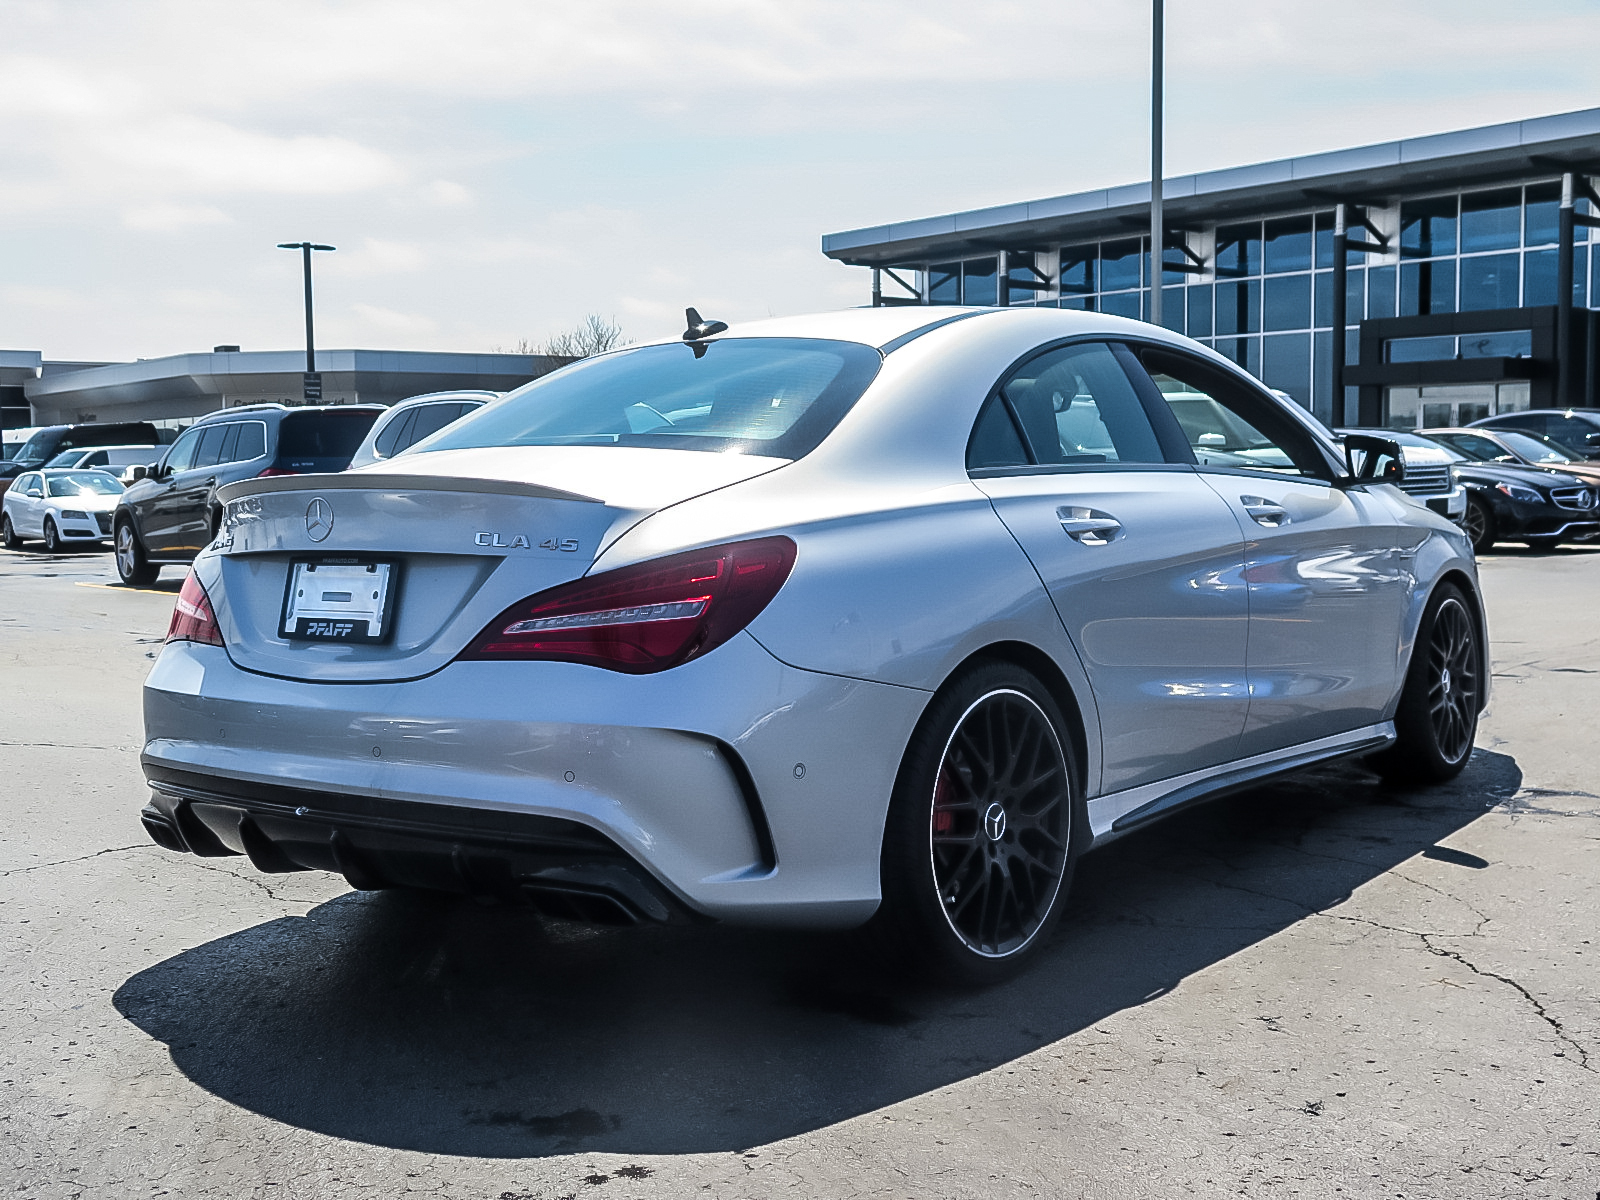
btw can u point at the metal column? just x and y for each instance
(1336, 357)
(1157, 224)
(1564, 296)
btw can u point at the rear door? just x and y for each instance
(1329, 568)
(1143, 560)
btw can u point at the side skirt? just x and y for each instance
(1118, 813)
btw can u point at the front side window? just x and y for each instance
(777, 397)
(1072, 406)
(1229, 424)
(1477, 447)
(181, 456)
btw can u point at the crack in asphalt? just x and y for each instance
(61, 862)
(1538, 1006)
(68, 746)
(189, 861)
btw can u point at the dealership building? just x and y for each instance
(174, 390)
(1463, 287)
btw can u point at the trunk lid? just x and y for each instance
(464, 533)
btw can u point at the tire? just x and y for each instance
(1438, 713)
(975, 868)
(1478, 524)
(52, 537)
(132, 567)
(8, 534)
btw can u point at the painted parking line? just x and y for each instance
(122, 587)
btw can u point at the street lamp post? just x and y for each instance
(313, 381)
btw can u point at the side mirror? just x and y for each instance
(138, 472)
(1372, 459)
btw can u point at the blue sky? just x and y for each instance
(492, 170)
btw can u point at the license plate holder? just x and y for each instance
(339, 599)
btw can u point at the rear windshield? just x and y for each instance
(323, 436)
(767, 396)
(83, 483)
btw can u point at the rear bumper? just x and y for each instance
(735, 786)
(564, 868)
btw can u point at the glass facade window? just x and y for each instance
(1172, 313)
(1238, 250)
(1286, 302)
(1245, 351)
(1078, 274)
(1491, 220)
(1121, 304)
(944, 283)
(1427, 287)
(1515, 344)
(1428, 227)
(1488, 280)
(978, 282)
(1286, 365)
(1287, 246)
(1238, 306)
(1419, 349)
(1542, 216)
(1200, 311)
(1173, 262)
(1019, 279)
(1380, 292)
(1119, 264)
(1539, 277)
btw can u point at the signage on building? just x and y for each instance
(313, 387)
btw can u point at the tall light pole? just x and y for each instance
(1157, 225)
(313, 381)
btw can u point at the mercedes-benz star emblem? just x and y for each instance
(994, 822)
(319, 519)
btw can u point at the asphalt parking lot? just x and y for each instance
(1318, 988)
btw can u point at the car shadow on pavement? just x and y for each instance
(439, 1025)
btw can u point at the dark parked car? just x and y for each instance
(50, 440)
(1509, 502)
(170, 512)
(1511, 446)
(1578, 429)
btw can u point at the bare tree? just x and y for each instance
(595, 335)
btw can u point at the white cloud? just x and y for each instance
(164, 217)
(388, 321)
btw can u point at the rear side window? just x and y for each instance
(252, 441)
(430, 418)
(1072, 406)
(323, 437)
(389, 438)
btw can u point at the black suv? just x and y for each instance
(170, 512)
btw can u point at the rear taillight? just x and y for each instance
(192, 618)
(646, 617)
(271, 471)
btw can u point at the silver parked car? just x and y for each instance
(410, 420)
(883, 617)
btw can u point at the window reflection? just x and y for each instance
(1239, 249)
(1288, 245)
(1491, 220)
(1427, 287)
(1428, 227)
(1119, 264)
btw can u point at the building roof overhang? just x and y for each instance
(1366, 174)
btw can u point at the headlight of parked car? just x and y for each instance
(1516, 491)
(72, 514)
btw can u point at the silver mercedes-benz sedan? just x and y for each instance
(881, 617)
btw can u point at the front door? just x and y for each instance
(1143, 560)
(1329, 568)
(161, 505)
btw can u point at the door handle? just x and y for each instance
(1088, 526)
(1265, 512)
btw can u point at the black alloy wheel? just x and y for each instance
(1438, 714)
(1478, 524)
(979, 847)
(52, 537)
(132, 567)
(8, 534)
